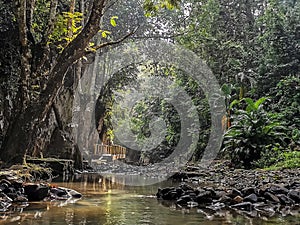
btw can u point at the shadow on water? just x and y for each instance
(112, 202)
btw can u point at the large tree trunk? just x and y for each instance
(30, 133)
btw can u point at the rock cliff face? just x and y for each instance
(55, 132)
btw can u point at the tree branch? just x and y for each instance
(114, 42)
(74, 51)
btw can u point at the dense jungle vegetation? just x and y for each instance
(251, 46)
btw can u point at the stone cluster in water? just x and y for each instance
(255, 193)
(256, 202)
(15, 192)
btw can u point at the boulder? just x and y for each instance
(36, 192)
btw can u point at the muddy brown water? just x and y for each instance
(108, 202)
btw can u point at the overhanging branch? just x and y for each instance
(114, 42)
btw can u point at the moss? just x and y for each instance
(291, 160)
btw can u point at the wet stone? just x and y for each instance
(247, 206)
(254, 193)
(277, 189)
(36, 192)
(235, 192)
(251, 198)
(238, 199)
(284, 200)
(204, 197)
(183, 200)
(295, 195)
(271, 197)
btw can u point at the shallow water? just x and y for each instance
(108, 203)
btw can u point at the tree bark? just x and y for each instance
(23, 138)
(25, 53)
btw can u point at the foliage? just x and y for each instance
(286, 101)
(152, 7)
(40, 19)
(252, 130)
(278, 43)
(288, 160)
(67, 27)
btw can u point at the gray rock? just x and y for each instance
(251, 198)
(204, 197)
(295, 195)
(183, 200)
(246, 206)
(271, 197)
(285, 200)
(36, 192)
(277, 189)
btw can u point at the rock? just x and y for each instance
(20, 198)
(251, 198)
(192, 204)
(246, 206)
(59, 193)
(277, 189)
(204, 197)
(220, 194)
(249, 191)
(4, 206)
(238, 199)
(3, 187)
(74, 194)
(226, 200)
(266, 192)
(285, 200)
(5, 198)
(183, 200)
(217, 206)
(36, 192)
(271, 197)
(235, 192)
(295, 195)
(186, 187)
(171, 195)
(161, 193)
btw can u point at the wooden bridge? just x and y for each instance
(116, 151)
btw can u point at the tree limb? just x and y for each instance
(114, 42)
(74, 51)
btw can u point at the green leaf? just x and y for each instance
(233, 103)
(113, 21)
(259, 102)
(104, 33)
(226, 89)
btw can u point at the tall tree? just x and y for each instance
(51, 40)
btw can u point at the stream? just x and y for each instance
(108, 202)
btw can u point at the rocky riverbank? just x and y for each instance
(254, 193)
(17, 191)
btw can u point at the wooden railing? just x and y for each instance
(117, 151)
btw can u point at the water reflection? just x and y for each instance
(106, 202)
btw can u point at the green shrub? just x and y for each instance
(252, 133)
